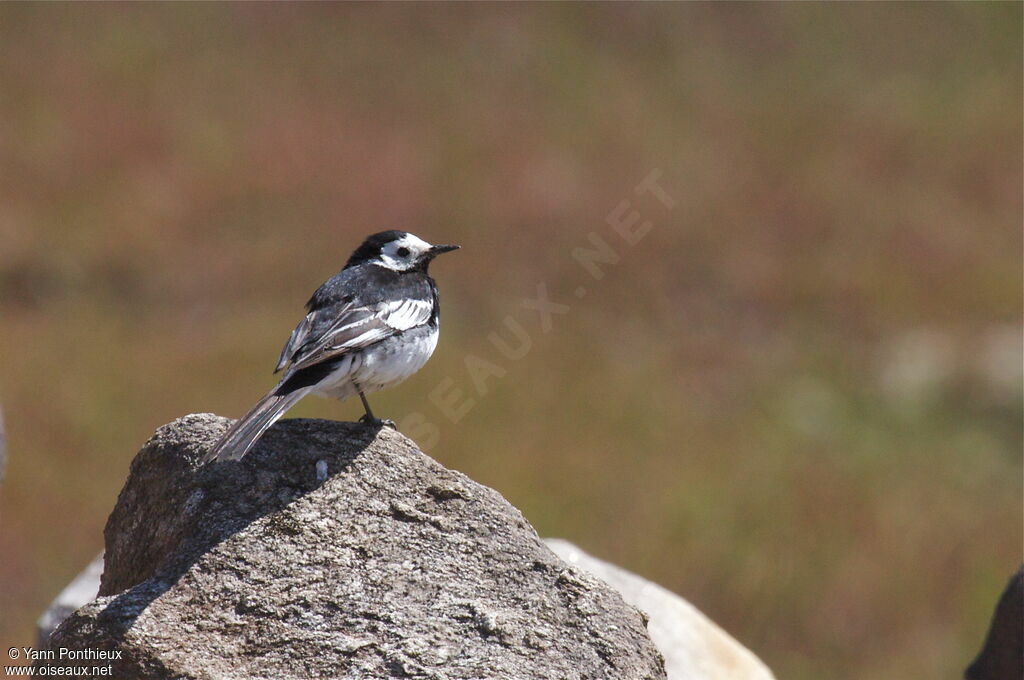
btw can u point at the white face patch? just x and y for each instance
(403, 253)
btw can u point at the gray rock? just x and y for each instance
(393, 567)
(694, 647)
(81, 590)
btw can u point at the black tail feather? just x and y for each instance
(245, 431)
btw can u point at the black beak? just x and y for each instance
(437, 250)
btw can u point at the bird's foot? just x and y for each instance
(378, 422)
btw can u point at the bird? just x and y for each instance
(367, 328)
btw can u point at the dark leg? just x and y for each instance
(366, 405)
(370, 419)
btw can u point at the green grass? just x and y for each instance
(796, 402)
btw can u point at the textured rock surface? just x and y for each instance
(375, 563)
(694, 647)
(81, 590)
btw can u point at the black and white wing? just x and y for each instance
(357, 308)
(352, 311)
(351, 328)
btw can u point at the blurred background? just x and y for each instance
(795, 402)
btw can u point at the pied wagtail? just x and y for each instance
(370, 326)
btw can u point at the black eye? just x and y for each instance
(403, 252)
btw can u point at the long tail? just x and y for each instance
(241, 436)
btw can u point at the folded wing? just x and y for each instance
(320, 338)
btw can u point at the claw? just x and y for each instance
(378, 422)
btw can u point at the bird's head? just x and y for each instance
(397, 250)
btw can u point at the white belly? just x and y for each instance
(383, 365)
